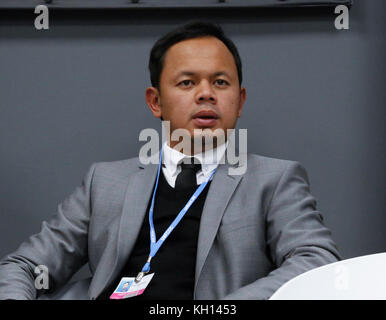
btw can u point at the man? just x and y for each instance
(125, 287)
(242, 237)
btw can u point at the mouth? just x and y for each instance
(205, 118)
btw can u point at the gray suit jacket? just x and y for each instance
(257, 231)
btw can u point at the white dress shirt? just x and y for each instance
(172, 158)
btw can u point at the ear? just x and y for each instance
(243, 97)
(153, 101)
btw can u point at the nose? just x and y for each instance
(205, 93)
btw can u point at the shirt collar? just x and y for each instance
(209, 159)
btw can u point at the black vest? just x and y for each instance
(175, 262)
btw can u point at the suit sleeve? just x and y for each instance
(60, 246)
(296, 237)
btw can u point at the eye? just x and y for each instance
(221, 82)
(185, 83)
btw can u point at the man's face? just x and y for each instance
(199, 87)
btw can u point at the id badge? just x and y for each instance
(128, 288)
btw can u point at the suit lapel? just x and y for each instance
(221, 189)
(138, 193)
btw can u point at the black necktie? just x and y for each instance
(187, 177)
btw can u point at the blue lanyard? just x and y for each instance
(154, 244)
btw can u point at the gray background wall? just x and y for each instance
(74, 95)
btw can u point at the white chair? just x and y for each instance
(360, 278)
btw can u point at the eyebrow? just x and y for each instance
(191, 73)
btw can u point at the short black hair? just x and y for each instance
(191, 30)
